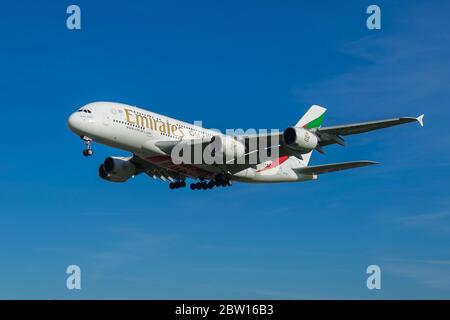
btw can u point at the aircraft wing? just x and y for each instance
(274, 141)
(330, 135)
(333, 167)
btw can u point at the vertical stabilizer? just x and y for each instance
(313, 118)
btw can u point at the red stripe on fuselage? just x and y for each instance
(274, 164)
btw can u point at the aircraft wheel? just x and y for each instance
(88, 152)
(171, 186)
(183, 184)
(193, 186)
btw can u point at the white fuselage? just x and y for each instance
(136, 130)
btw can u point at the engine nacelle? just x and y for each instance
(230, 147)
(117, 169)
(300, 139)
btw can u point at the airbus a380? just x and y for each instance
(152, 138)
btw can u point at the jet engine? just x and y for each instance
(300, 139)
(117, 169)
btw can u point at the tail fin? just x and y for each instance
(313, 118)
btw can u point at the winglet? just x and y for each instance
(420, 119)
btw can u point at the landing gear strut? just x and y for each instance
(88, 151)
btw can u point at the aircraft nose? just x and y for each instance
(74, 122)
(71, 122)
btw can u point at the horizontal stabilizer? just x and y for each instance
(333, 167)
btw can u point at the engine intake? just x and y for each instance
(117, 169)
(300, 139)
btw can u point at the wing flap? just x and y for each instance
(333, 167)
(155, 171)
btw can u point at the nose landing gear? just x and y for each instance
(88, 151)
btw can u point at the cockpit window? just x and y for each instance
(84, 110)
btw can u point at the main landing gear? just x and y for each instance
(223, 180)
(88, 151)
(177, 184)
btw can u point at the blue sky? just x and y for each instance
(257, 64)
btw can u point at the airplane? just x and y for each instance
(152, 138)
